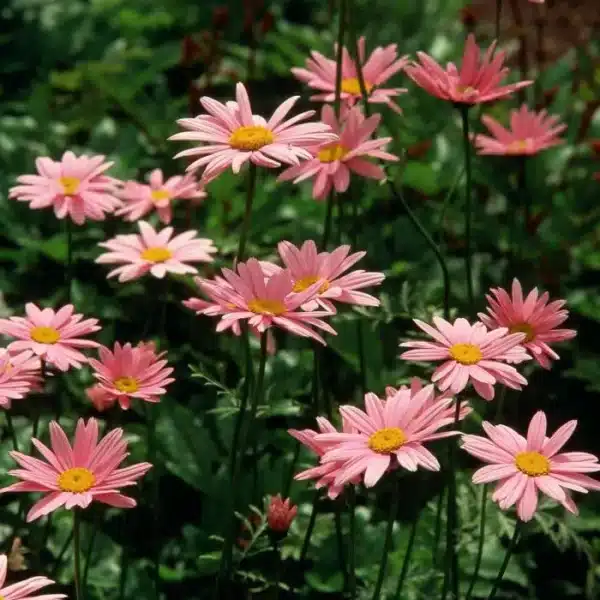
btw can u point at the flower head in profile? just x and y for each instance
(529, 133)
(280, 514)
(155, 252)
(533, 315)
(54, 336)
(129, 372)
(140, 199)
(383, 63)
(306, 265)
(74, 186)
(334, 162)
(470, 353)
(523, 467)
(478, 80)
(231, 135)
(100, 398)
(264, 301)
(25, 589)
(76, 475)
(19, 375)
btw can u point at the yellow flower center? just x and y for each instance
(77, 480)
(517, 147)
(127, 385)
(466, 354)
(351, 85)
(156, 255)
(387, 440)
(251, 137)
(332, 152)
(525, 328)
(267, 307)
(70, 185)
(465, 89)
(160, 195)
(44, 335)
(533, 464)
(302, 284)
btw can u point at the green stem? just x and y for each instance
(11, 430)
(277, 556)
(69, 269)
(407, 556)
(479, 541)
(497, 21)
(90, 549)
(123, 572)
(310, 528)
(522, 185)
(438, 524)
(58, 563)
(339, 538)
(77, 554)
(341, 33)
(464, 112)
(351, 545)
(509, 552)
(247, 213)
(155, 545)
(328, 219)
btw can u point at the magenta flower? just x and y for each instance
(263, 301)
(532, 316)
(477, 81)
(75, 186)
(131, 372)
(332, 163)
(529, 133)
(320, 74)
(76, 475)
(140, 199)
(156, 252)
(19, 375)
(470, 353)
(53, 336)
(231, 135)
(24, 589)
(522, 467)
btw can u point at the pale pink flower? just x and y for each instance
(19, 375)
(470, 353)
(529, 133)
(76, 475)
(231, 135)
(388, 434)
(264, 303)
(53, 336)
(132, 372)
(306, 266)
(140, 199)
(280, 514)
(75, 186)
(533, 316)
(320, 74)
(477, 81)
(100, 398)
(522, 467)
(155, 252)
(332, 163)
(24, 589)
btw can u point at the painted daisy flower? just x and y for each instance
(24, 589)
(132, 372)
(523, 467)
(332, 163)
(388, 434)
(264, 303)
(470, 353)
(477, 81)
(19, 375)
(155, 252)
(533, 316)
(53, 336)
(74, 186)
(383, 63)
(100, 398)
(231, 136)
(79, 474)
(140, 199)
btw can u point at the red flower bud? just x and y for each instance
(220, 17)
(281, 513)
(267, 23)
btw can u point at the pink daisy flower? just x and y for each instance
(522, 467)
(79, 474)
(320, 74)
(19, 375)
(388, 434)
(231, 135)
(306, 266)
(132, 372)
(332, 163)
(470, 353)
(100, 398)
(264, 302)
(140, 199)
(75, 186)
(529, 133)
(24, 589)
(533, 316)
(53, 336)
(477, 81)
(156, 252)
